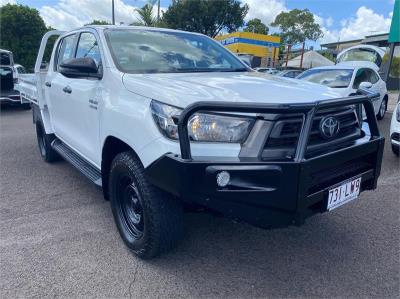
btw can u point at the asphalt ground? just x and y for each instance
(58, 239)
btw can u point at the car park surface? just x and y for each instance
(57, 238)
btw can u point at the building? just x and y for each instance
(263, 48)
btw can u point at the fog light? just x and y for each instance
(223, 178)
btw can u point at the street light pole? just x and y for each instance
(113, 13)
(302, 55)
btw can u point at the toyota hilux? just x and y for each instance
(164, 119)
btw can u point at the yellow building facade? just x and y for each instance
(259, 45)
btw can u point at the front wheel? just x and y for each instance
(382, 110)
(149, 220)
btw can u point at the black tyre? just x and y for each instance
(396, 150)
(149, 220)
(382, 109)
(44, 142)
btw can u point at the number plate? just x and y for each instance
(343, 193)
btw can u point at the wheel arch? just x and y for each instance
(112, 146)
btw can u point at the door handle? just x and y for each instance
(47, 83)
(67, 89)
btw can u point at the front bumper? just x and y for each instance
(266, 193)
(269, 193)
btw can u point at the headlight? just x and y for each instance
(219, 128)
(202, 127)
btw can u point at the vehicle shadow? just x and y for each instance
(220, 258)
(9, 109)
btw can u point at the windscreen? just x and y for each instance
(150, 51)
(335, 78)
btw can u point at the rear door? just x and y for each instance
(373, 78)
(362, 53)
(368, 75)
(58, 99)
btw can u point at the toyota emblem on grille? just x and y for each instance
(329, 127)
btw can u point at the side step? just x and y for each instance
(87, 169)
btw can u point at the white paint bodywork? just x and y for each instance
(123, 103)
(395, 125)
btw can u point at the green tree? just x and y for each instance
(328, 55)
(98, 22)
(21, 31)
(297, 26)
(146, 16)
(256, 26)
(395, 67)
(206, 16)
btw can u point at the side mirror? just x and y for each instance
(80, 67)
(365, 85)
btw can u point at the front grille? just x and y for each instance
(285, 133)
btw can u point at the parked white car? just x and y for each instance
(395, 129)
(9, 95)
(289, 73)
(267, 70)
(347, 77)
(162, 118)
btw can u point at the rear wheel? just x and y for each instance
(382, 109)
(44, 142)
(395, 150)
(149, 220)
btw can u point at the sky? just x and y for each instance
(339, 19)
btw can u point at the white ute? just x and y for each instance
(9, 75)
(165, 119)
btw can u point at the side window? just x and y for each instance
(21, 70)
(88, 47)
(373, 77)
(66, 49)
(361, 76)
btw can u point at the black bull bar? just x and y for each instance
(308, 110)
(291, 195)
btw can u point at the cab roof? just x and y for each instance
(131, 27)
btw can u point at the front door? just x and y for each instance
(84, 100)
(75, 103)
